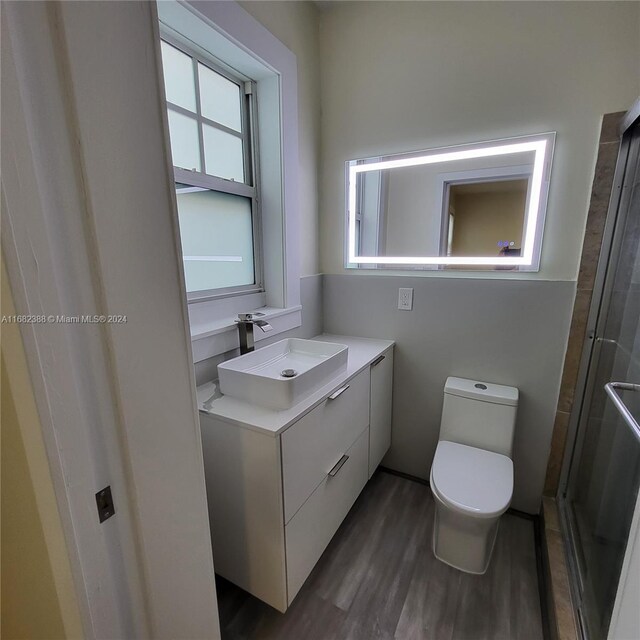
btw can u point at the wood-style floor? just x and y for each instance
(379, 579)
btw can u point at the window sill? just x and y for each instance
(217, 337)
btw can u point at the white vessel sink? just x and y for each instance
(257, 377)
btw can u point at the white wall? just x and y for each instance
(295, 24)
(401, 76)
(414, 212)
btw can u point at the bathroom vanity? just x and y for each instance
(280, 482)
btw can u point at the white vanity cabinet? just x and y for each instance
(316, 443)
(381, 401)
(279, 483)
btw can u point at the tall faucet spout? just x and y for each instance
(264, 325)
(245, 330)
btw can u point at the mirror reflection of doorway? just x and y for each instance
(486, 218)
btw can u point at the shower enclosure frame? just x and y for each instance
(613, 234)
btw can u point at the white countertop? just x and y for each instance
(362, 352)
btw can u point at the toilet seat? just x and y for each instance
(472, 481)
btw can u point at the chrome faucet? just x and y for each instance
(246, 322)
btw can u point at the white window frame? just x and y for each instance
(250, 187)
(228, 33)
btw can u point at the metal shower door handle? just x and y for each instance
(623, 410)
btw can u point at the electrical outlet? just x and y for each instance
(405, 299)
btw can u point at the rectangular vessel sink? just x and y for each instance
(257, 377)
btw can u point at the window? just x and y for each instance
(211, 114)
(261, 251)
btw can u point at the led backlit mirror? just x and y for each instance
(473, 207)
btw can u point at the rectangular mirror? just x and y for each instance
(473, 207)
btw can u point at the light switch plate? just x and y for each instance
(405, 299)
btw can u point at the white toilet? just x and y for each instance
(472, 471)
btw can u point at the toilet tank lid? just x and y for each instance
(478, 390)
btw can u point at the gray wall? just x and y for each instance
(311, 300)
(507, 332)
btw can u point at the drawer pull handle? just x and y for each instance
(377, 361)
(338, 465)
(339, 392)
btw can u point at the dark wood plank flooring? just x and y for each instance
(379, 579)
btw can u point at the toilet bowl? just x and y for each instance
(472, 488)
(472, 472)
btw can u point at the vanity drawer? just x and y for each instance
(313, 445)
(310, 530)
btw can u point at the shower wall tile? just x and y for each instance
(599, 204)
(610, 130)
(558, 441)
(564, 620)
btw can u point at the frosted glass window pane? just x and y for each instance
(223, 154)
(219, 98)
(185, 147)
(179, 84)
(217, 239)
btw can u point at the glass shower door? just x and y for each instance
(605, 469)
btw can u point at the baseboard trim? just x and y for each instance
(408, 476)
(401, 474)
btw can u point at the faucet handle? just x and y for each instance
(249, 316)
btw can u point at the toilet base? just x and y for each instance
(462, 541)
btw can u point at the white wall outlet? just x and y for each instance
(405, 299)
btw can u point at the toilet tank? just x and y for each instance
(479, 414)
